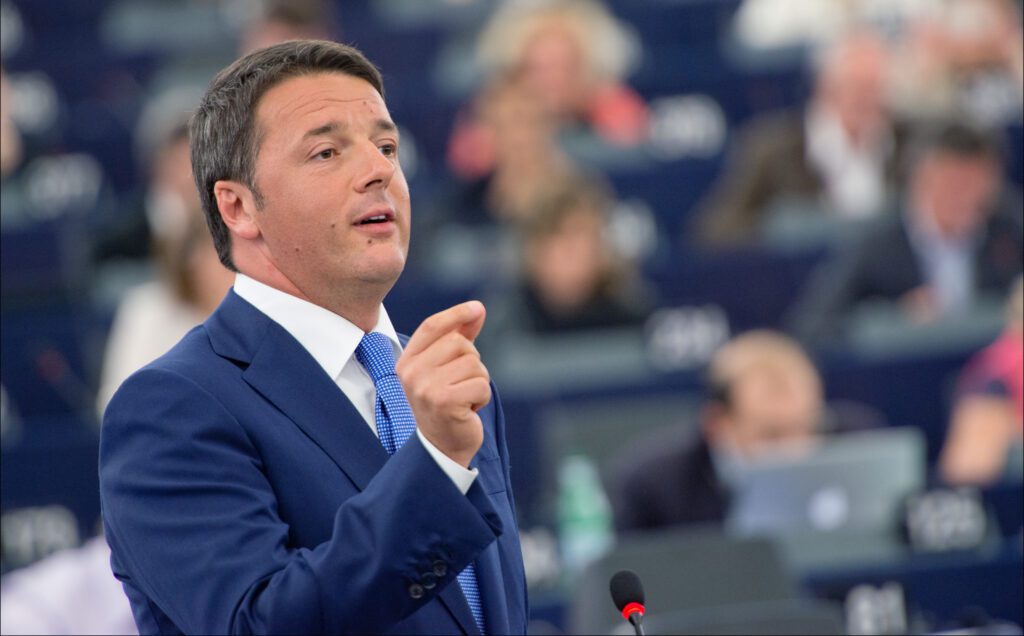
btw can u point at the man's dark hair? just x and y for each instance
(224, 136)
(958, 139)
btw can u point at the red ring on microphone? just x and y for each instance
(632, 608)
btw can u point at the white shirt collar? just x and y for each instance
(923, 230)
(329, 338)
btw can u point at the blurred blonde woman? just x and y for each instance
(190, 280)
(573, 55)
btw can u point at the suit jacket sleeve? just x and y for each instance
(833, 290)
(192, 519)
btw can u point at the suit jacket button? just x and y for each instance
(428, 581)
(440, 568)
(416, 590)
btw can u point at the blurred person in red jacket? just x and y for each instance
(571, 54)
(988, 416)
(472, 234)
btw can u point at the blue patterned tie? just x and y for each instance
(396, 424)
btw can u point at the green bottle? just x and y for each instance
(584, 514)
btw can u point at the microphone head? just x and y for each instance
(626, 589)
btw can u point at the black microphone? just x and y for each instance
(628, 594)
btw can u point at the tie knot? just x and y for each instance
(376, 355)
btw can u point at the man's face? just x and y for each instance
(335, 202)
(854, 86)
(955, 192)
(553, 67)
(770, 408)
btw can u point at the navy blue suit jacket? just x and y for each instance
(243, 493)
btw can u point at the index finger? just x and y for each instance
(467, 317)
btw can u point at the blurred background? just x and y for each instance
(752, 270)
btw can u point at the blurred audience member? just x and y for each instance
(963, 58)
(10, 157)
(191, 281)
(954, 240)
(988, 416)
(525, 156)
(839, 154)
(282, 20)
(470, 236)
(70, 592)
(775, 25)
(10, 139)
(571, 55)
(763, 391)
(572, 278)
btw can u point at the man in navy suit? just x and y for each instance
(277, 471)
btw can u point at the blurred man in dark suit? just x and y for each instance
(763, 390)
(955, 239)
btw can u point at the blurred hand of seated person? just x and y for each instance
(839, 153)
(988, 416)
(571, 55)
(573, 278)
(921, 305)
(764, 394)
(956, 239)
(190, 280)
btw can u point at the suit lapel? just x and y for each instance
(283, 372)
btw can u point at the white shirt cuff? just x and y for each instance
(463, 478)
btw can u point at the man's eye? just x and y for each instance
(389, 150)
(326, 153)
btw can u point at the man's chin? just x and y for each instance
(384, 273)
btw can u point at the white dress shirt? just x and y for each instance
(854, 177)
(332, 341)
(947, 263)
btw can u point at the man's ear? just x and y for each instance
(238, 208)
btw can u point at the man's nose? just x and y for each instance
(377, 170)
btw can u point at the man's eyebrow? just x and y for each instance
(381, 125)
(385, 125)
(319, 131)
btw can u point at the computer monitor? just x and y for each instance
(853, 481)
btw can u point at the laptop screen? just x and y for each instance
(854, 480)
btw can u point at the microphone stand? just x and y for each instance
(636, 619)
